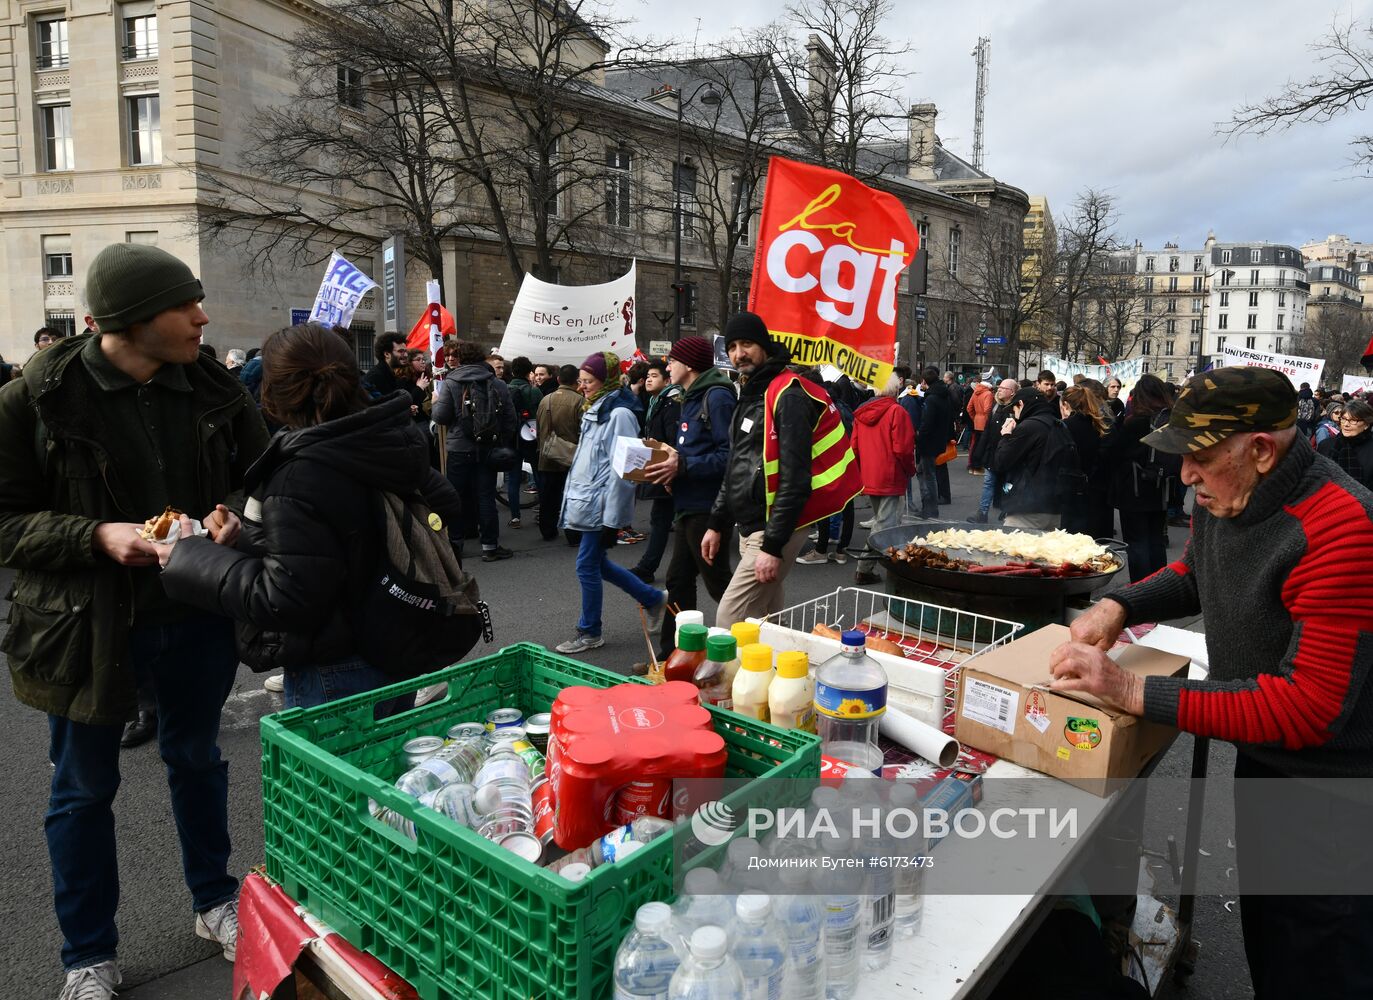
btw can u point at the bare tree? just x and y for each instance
(1086, 238)
(1342, 83)
(1114, 318)
(1338, 335)
(847, 77)
(993, 277)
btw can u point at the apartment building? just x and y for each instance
(1172, 285)
(1257, 297)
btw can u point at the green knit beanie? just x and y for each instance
(131, 283)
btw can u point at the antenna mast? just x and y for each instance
(983, 55)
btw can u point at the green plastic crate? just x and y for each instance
(453, 913)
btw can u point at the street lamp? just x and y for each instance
(710, 97)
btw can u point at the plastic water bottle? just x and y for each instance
(803, 922)
(760, 948)
(910, 881)
(708, 972)
(457, 762)
(611, 847)
(503, 796)
(850, 697)
(704, 902)
(649, 955)
(864, 797)
(736, 871)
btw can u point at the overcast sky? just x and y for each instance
(1123, 97)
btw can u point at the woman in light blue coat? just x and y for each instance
(599, 503)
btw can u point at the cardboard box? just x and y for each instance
(1005, 708)
(631, 454)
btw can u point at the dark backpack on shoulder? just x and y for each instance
(419, 611)
(479, 409)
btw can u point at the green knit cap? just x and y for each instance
(131, 283)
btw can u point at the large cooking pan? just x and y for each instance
(978, 583)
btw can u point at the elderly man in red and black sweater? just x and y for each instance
(1278, 565)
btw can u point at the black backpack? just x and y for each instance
(479, 410)
(419, 610)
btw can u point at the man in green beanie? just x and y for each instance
(100, 433)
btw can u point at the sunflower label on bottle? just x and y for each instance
(846, 703)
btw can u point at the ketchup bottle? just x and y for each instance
(689, 654)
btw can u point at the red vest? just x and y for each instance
(834, 476)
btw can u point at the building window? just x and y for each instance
(1196, 283)
(688, 303)
(686, 194)
(1192, 345)
(1249, 342)
(955, 242)
(1170, 328)
(1148, 263)
(1148, 284)
(618, 164)
(1144, 367)
(63, 322)
(742, 193)
(146, 237)
(1223, 321)
(1124, 266)
(1225, 256)
(52, 43)
(1196, 263)
(1253, 300)
(1253, 323)
(1224, 299)
(1220, 343)
(1281, 318)
(1168, 345)
(145, 130)
(57, 256)
(1253, 256)
(1148, 305)
(57, 137)
(1148, 347)
(1196, 305)
(1148, 325)
(1173, 284)
(1172, 263)
(1195, 329)
(922, 228)
(1172, 305)
(1282, 299)
(350, 87)
(1254, 277)
(1225, 277)
(1277, 345)
(140, 37)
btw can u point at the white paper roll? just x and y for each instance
(918, 737)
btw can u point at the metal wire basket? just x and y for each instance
(945, 637)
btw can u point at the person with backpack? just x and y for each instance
(660, 424)
(313, 537)
(526, 398)
(475, 406)
(1308, 410)
(599, 503)
(1033, 457)
(1139, 476)
(694, 468)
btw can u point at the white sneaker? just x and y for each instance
(656, 613)
(276, 683)
(580, 644)
(94, 982)
(868, 523)
(432, 692)
(221, 926)
(812, 558)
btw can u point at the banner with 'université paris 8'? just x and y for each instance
(830, 253)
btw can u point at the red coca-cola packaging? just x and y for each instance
(613, 754)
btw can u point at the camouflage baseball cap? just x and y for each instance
(1225, 401)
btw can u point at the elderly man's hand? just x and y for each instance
(1076, 666)
(1099, 626)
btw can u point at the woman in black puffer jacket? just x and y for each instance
(310, 539)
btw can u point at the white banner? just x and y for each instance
(1298, 370)
(1356, 383)
(562, 324)
(340, 292)
(1127, 371)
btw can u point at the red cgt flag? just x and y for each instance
(830, 253)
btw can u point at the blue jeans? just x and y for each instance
(306, 687)
(991, 482)
(929, 489)
(513, 482)
(476, 486)
(593, 566)
(189, 667)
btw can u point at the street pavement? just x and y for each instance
(533, 597)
